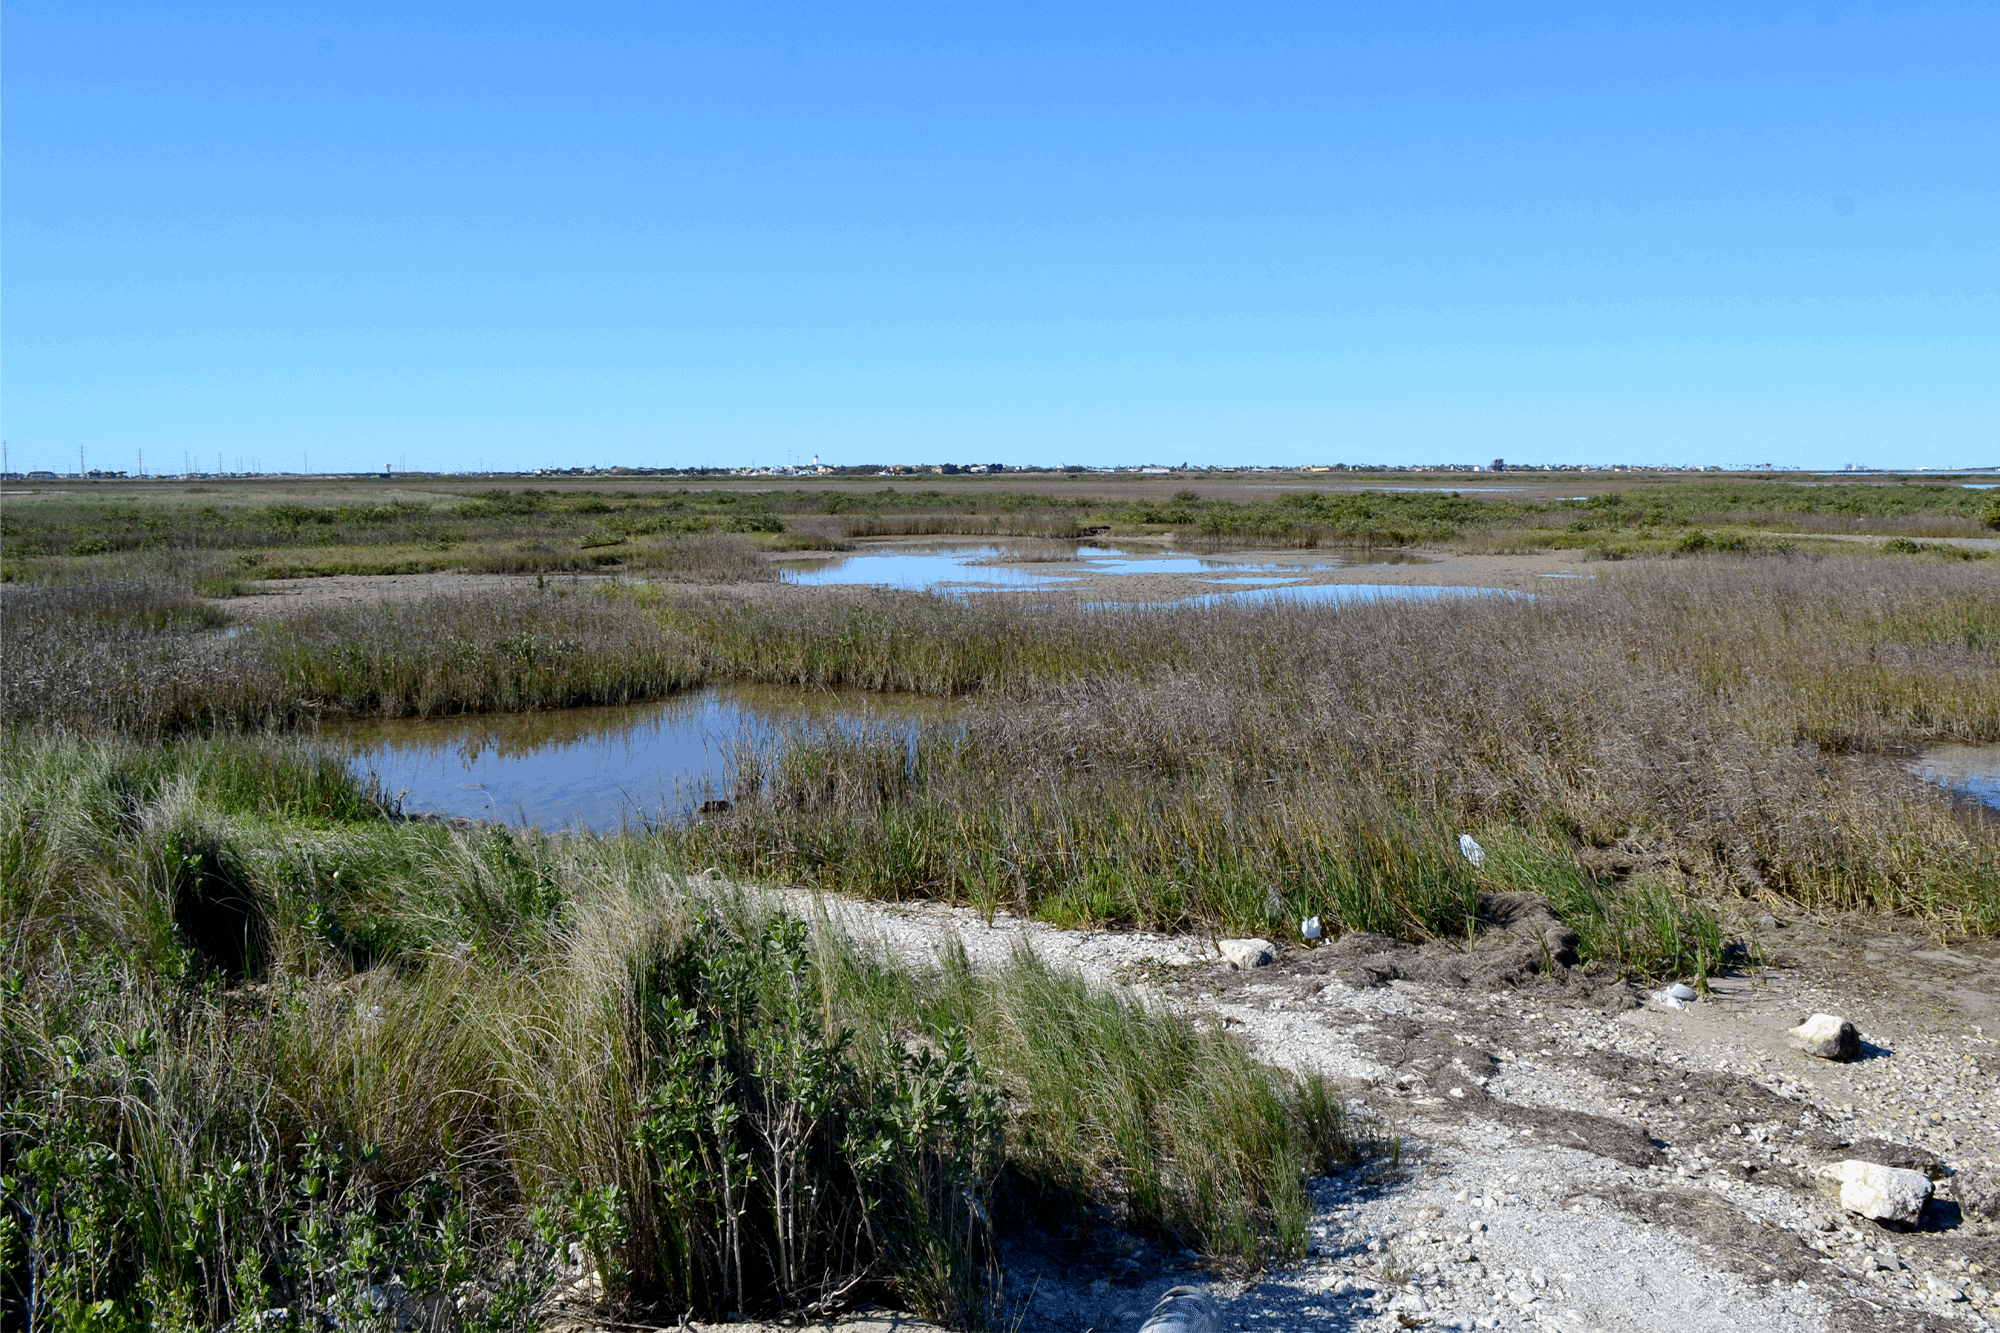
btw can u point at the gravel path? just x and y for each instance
(1568, 1160)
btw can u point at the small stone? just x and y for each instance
(1828, 1037)
(1246, 954)
(1538, 1277)
(1943, 1288)
(1100, 1288)
(1885, 1193)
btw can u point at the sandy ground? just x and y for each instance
(1575, 1155)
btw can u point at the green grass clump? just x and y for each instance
(265, 1048)
(1183, 1134)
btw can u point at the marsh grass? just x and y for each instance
(540, 530)
(1728, 723)
(713, 558)
(463, 1051)
(1699, 730)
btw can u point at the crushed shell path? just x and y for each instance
(1496, 1217)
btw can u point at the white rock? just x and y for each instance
(1246, 954)
(1826, 1036)
(1885, 1193)
(1472, 850)
(1309, 928)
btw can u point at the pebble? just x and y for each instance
(1944, 1289)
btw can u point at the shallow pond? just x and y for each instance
(967, 568)
(1970, 770)
(599, 769)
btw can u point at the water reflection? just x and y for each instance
(1972, 771)
(959, 568)
(599, 769)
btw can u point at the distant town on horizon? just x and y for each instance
(911, 470)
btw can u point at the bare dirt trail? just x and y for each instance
(1575, 1155)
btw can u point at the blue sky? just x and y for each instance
(513, 236)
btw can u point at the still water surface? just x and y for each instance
(959, 568)
(600, 769)
(1970, 770)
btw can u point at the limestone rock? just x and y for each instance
(1827, 1037)
(1884, 1193)
(1246, 954)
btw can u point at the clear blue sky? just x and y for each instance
(510, 235)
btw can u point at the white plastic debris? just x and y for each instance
(1473, 851)
(1309, 928)
(1680, 990)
